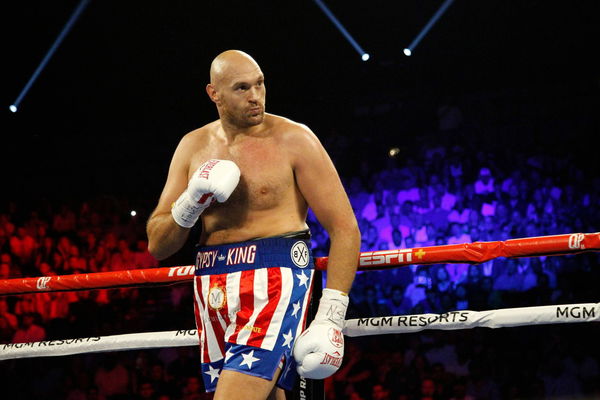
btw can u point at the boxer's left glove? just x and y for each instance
(213, 180)
(319, 349)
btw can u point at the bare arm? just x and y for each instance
(165, 237)
(320, 185)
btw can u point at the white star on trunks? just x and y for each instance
(288, 339)
(213, 372)
(249, 359)
(228, 355)
(296, 309)
(303, 279)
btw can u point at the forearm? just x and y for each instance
(343, 258)
(165, 237)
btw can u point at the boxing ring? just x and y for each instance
(471, 253)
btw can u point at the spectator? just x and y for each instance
(458, 233)
(146, 391)
(380, 392)
(22, 246)
(415, 292)
(354, 374)
(459, 213)
(438, 216)
(371, 306)
(509, 279)
(29, 331)
(441, 280)
(397, 304)
(112, 378)
(484, 185)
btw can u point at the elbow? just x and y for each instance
(156, 252)
(348, 230)
(353, 231)
(153, 250)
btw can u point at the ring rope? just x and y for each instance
(464, 319)
(472, 253)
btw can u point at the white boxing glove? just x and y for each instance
(213, 180)
(320, 348)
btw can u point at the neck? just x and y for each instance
(233, 130)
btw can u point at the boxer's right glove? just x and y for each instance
(213, 180)
(319, 349)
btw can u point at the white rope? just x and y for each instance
(131, 341)
(560, 314)
(507, 317)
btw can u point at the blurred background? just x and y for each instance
(128, 81)
(488, 131)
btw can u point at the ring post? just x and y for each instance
(311, 389)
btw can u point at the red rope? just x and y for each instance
(472, 253)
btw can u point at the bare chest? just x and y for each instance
(266, 174)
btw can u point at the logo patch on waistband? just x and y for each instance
(217, 297)
(299, 254)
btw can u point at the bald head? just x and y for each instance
(230, 63)
(237, 88)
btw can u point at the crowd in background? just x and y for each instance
(441, 194)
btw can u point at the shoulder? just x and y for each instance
(201, 134)
(198, 137)
(293, 134)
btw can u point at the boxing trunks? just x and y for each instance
(250, 301)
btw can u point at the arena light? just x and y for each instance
(363, 54)
(394, 151)
(82, 5)
(133, 213)
(408, 50)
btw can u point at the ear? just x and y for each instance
(212, 93)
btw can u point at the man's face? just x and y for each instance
(242, 96)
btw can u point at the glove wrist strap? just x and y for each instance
(186, 211)
(332, 307)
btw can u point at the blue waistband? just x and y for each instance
(259, 253)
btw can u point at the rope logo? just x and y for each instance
(181, 271)
(42, 282)
(299, 254)
(575, 241)
(387, 257)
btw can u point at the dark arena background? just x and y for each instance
(488, 131)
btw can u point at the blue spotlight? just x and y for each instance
(363, 54)
(82, 5)
(427, 27)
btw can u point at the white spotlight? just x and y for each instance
(407, 52)
(13, 108)
(393, 152)
(133, 213)
(365, 56)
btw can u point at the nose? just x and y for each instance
(252, 95)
